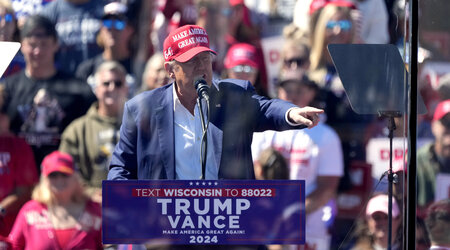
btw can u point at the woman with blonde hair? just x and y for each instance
(60, 215)
(334, 26)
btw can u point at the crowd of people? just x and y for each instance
(92, 75)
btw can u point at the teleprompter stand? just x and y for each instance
(373, 76)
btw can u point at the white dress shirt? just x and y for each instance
(188, 139)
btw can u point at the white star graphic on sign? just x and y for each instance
(197, 183)
(215, 183)
(190, 183)
(203, 183)
(209, 183)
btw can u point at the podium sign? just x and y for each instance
(204, 212)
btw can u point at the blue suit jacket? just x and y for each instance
(146, 149)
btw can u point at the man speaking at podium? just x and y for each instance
(161, 133)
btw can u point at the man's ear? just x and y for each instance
(169, 69)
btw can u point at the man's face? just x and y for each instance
(115, 32)
(111, 89)
(157, 75)
(199, 66)
(441, 132)
(39, 49)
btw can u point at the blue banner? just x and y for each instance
(204, 212)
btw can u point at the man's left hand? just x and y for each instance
(307, 116)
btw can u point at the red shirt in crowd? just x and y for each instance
(17, 168)
(33, 229)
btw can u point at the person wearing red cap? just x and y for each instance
(60, 215)
(161, 129)
(434, 158)
(241, 62)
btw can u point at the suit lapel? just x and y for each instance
(216, 132)
(165, 131)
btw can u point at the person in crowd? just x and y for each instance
(169, 129)
(77, 23)
(373, 231)
(91, 138)
(437, 222)
(8, 23)
(26, 8)
(115, 38)
(434, 158)
(18, 172)
(371, 17)
(271, 165)
(42, 100)
(175, 14)
(154, 75)
(295, 51)
(9, 32)
(214, 16)
(144, 42)
(334, 25)
(314, 155)
(444, 87)
(241, 62)
(241, 29)
(60, 215)
(422, 238)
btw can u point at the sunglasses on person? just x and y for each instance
(117, 83)
(114, 23)
(343, 24)
(8, 18)
(298, 61)
(57, 174)
(243, 69)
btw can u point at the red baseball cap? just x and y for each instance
(236, 2)
(380, 203)
(57, 162)
(317, 5)
(342, 3)
(441, 110)
(185, 42)
(241, 53)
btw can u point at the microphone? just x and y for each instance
(202, 88)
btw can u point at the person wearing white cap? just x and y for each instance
(115, 38)
(161, 132)
(376, 234)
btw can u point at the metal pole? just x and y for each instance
(410, 223)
